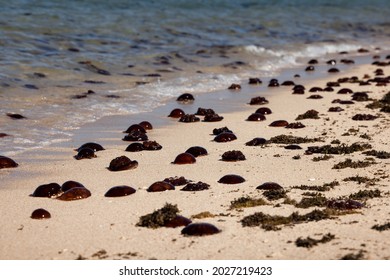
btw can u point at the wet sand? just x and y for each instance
(100, 227)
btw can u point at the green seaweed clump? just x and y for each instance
(311, 242)
(365, 194)
(269, 222)
(317, 200)
(340, 149)
(385, 101)
(352, 164)
(311, 114)
(289, 139)
(352, 256)
(324, 157)
(385, 109)
(312, 188)
(203, 215)
(275, 194)
(361, 180)
(159, 217)
(378, 154)
(246, 201)
(324, 188)
(382, 227)
(365, 136)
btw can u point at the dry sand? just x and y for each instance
(99, 227)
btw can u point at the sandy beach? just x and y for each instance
(327, 208)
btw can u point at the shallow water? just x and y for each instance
(137, 55)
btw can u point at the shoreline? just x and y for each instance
(113, 220)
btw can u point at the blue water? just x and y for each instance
(142, 53)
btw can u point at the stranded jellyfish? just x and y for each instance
(184, 158)
(231, 179)
(120, 191)
(199, 229)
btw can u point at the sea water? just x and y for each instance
(67, 63)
